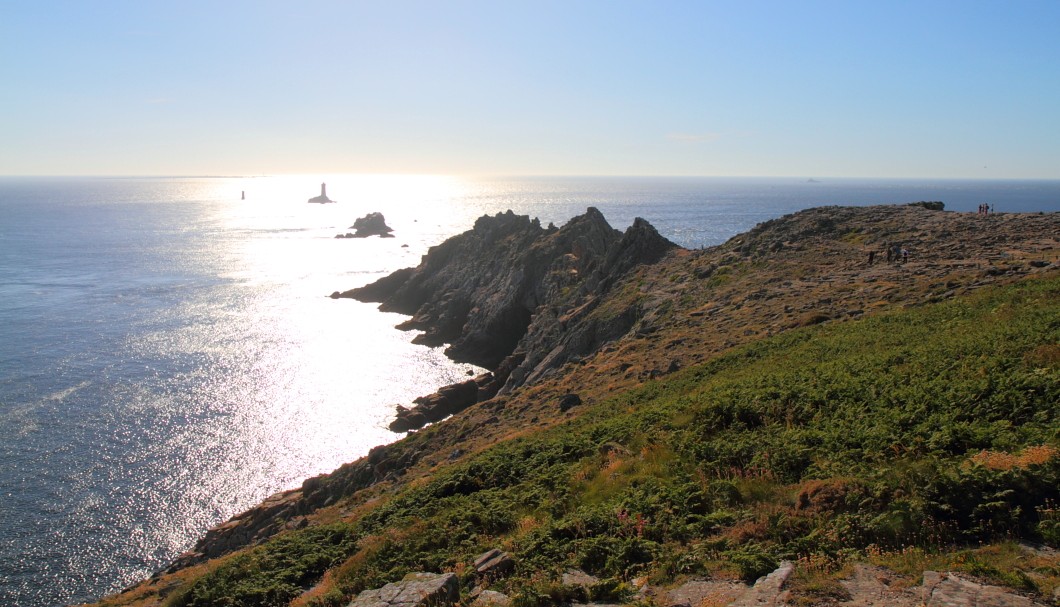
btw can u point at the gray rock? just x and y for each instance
(494, 564)
(768, 590)
(872, 586)
(949, 590)
(577, 577)
(414, 590)
(490, 598)
(699, 592)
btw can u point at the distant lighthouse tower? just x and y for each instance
(323, 195)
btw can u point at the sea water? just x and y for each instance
(169, 358)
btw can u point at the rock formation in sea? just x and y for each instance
(323, 198)
(372, 224)
(518, 298)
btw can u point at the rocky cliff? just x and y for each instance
(518, 298)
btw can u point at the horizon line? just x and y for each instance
(807, 178)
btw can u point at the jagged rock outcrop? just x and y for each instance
(511, 294)
(443, 403)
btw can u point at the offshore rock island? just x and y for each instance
(843, 406)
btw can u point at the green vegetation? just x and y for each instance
(928, 435)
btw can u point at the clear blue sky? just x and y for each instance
(801, 88)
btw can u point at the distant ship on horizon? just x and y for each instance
(323, 198)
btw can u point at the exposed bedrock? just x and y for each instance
(510, 285)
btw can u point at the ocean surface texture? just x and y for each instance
(169, 358)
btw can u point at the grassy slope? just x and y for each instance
(903, 437)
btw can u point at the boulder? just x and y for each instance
(489, 598)
(494, 564)
(569, 401)
(575, 578)
(414, 590)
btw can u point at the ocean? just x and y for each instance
(169, 356)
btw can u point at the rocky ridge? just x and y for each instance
(515, 298)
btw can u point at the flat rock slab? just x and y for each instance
(949, 590)
(768, 591)
(703, 592)
(414, 590)
(875, 587)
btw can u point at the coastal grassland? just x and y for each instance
(927, 436)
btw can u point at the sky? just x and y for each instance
(963, 89)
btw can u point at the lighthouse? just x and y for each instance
(323, 195)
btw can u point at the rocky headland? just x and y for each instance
(516, 298)
(571, 320)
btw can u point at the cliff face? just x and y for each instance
(516, 298)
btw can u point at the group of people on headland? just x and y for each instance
(985, 209)
(895, 254)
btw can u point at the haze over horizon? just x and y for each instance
(817, 89)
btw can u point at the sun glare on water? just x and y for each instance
(288, 383)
